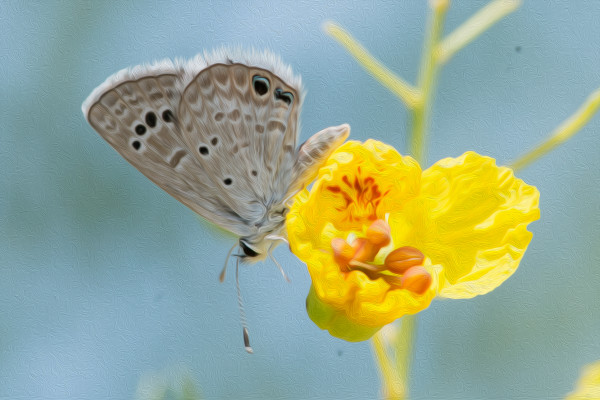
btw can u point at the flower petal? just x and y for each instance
(472, 219)
(340, 204)
(588, 385)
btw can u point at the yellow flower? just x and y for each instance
(588, 386)
(382, 239)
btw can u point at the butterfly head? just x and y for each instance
(253, 251)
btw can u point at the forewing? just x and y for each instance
(135, 111)
(242, 124)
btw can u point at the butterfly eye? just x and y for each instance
(261, 84)
(248, 251)
(286, 97)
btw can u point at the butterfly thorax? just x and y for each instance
(268, 234)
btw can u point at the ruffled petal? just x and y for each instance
(473, 218)
(588, 386)
(359, 184)
(466, 217)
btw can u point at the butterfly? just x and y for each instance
(219, 133)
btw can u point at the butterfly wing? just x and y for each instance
(313, 153)
(241, 121)
(135, 111)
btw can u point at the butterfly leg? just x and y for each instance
(222, 275)
(280, 268)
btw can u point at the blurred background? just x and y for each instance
(106, 281)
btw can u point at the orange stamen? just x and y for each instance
(365, 250)
(416, 279)
(379, 233)
(403, 258)
(342, 252)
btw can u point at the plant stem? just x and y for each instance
(393, 347)
(385, 76)
(427, 79)
(473, 27)
(392, 388)
(564, 132)
(404, 350)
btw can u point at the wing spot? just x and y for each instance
(204, 81)
(120, 109)
(274, 125)
(286, 97)
(219, 116)
(192, 97)
(156, 96)
(259, 128)
(171, 94)
(239, 77)
(234, 115)
(176, 159)
(260, 84)
(140, 129)
(151, 119)
(136, 144)
(221, 75)
(235, 149)
(203, 150)
(248, 117)
(288, 148)
(167, 116)
(214, 141)
(254, 173)
(227, 181)
(110, 124)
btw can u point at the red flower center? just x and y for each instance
(360, 198)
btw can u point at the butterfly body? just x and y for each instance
(219, 133)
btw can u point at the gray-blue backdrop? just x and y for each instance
(104, 278)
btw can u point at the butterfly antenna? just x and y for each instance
(241, 307)
(280, 268)
(222, 275)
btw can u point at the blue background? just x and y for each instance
(105, 279)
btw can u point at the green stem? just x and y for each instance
(404, 349)
(373, 66)
(469, 30)
(427, 79)
(564, 132)
(393, 348)
(392, 387)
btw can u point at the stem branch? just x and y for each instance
(564, 132)
(386, 77)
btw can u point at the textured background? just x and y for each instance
(104, 278)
